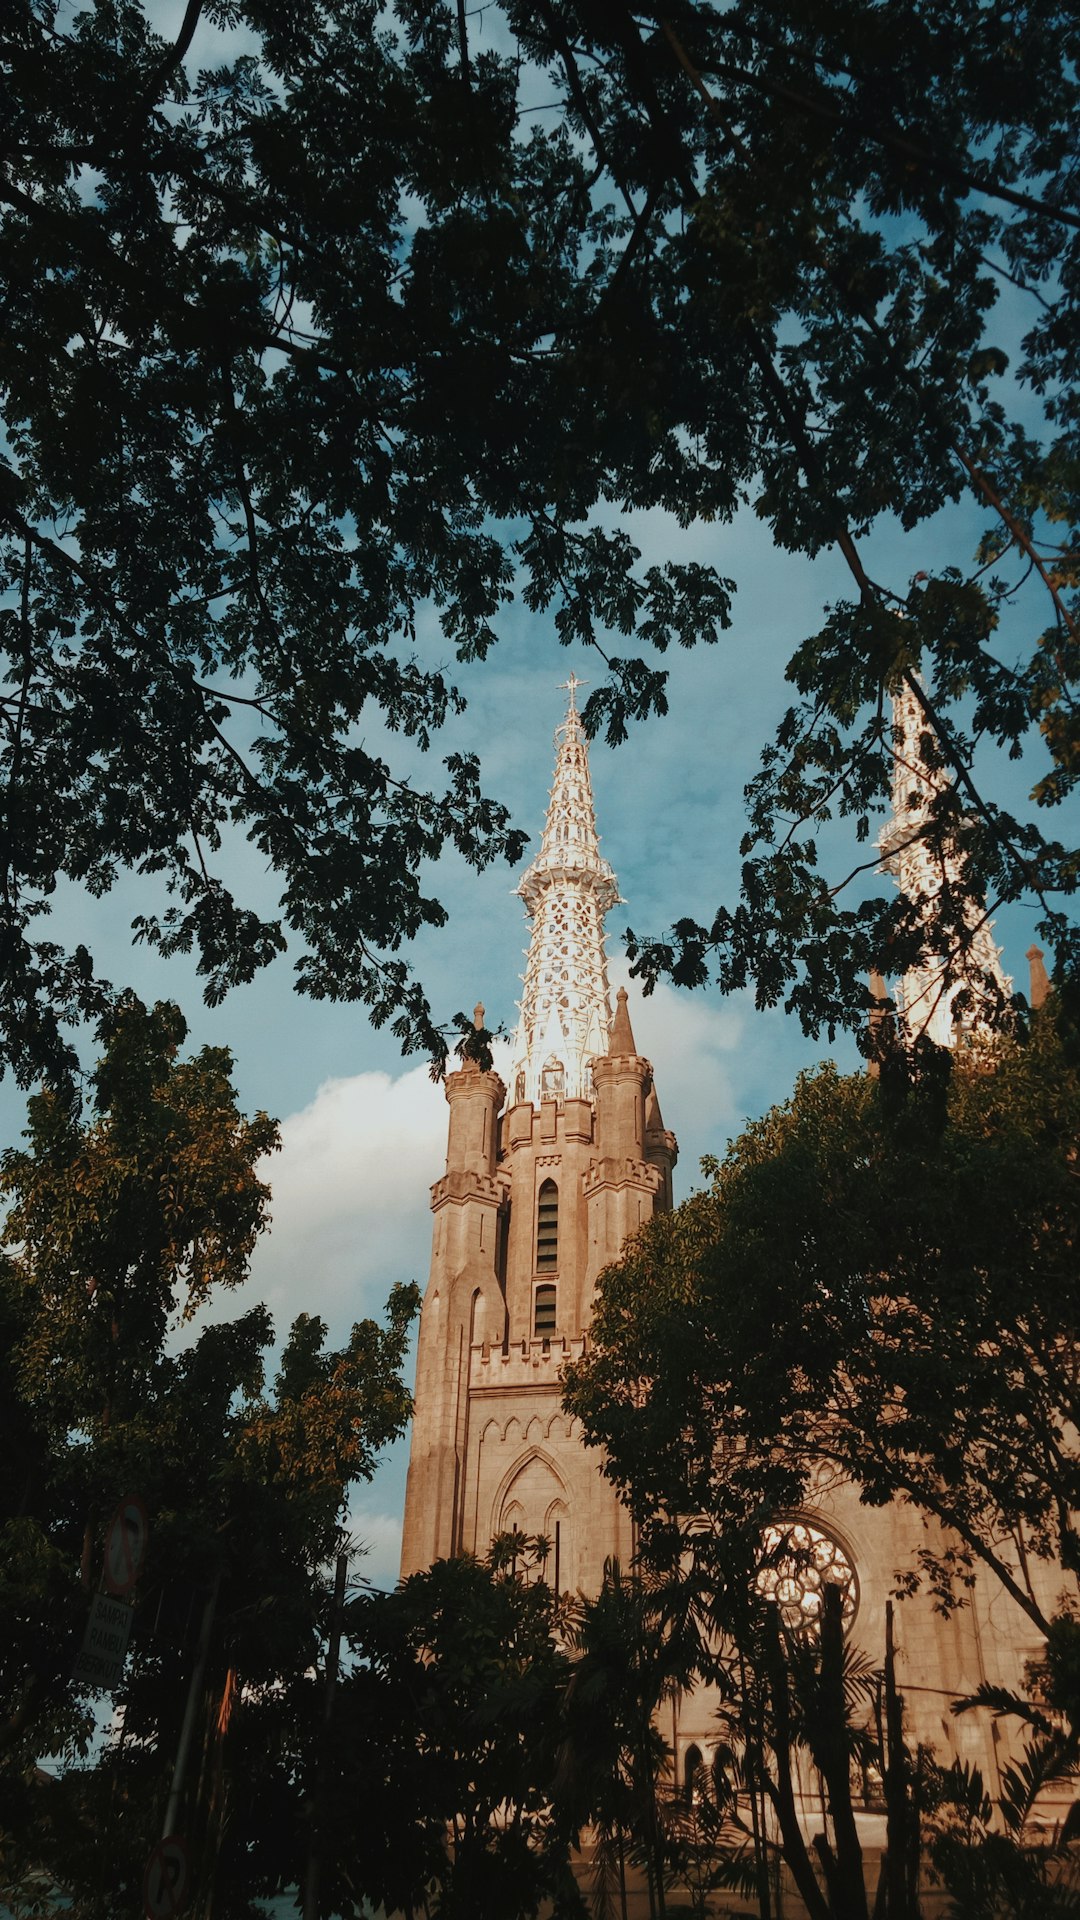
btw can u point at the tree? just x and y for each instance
(343, 332)
(627, 1663)
(445, 1740)
(1000, 1861)
(119, 1227)
(882, 1278)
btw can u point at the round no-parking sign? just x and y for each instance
(165, 1882)
(125, 1545)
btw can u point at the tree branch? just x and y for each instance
(890, 138)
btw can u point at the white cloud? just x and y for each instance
(349, 1209)
(377, 1536)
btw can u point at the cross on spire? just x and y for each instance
(570, 685)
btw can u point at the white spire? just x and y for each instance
(920, 873)
(565, 1011)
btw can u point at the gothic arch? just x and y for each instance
(557, 1529)
(822, 1557)
(534, 1485)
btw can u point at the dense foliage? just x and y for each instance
(119, 1226)
(882, 1278)
(878, 1290)
(445, 1735)
(377, 323)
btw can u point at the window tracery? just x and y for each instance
(799, 1562)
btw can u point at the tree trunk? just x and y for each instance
(900, 1871)
(754, 1770)
(830, 1750)
(781, 1791)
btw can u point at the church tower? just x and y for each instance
(927, 995)
(539, 1194)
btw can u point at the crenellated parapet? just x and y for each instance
(525, 1363)
(461, 1184)
(626, 1172)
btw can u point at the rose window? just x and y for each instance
(799, 1562)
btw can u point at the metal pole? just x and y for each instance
(333, 1652)
(202, 1654)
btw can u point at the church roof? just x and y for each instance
(567, 889)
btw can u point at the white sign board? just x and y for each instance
(165, 1882)
(125, 1545)
(100, 1661)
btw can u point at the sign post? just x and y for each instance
(100, 1660)
(202, 1654)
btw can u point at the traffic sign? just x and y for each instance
(165, 1882)
(100, 1660)
(125, 1545)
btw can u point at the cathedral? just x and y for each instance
(544, 1181)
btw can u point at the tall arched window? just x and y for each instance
(547, 1228)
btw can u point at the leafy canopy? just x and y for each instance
(119, 1225)
(377, 321)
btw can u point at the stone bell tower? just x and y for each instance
(539, 1194)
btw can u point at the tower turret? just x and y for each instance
(928, 992)
(622, 1080)
(475, 1099)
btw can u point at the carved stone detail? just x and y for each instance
(569, 887)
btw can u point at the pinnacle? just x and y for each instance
(622, 1033)
(1040, 979)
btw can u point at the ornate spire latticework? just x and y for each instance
(569, 887)
(921, 872)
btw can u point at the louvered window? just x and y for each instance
(544, 1313)
(547, 1228)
